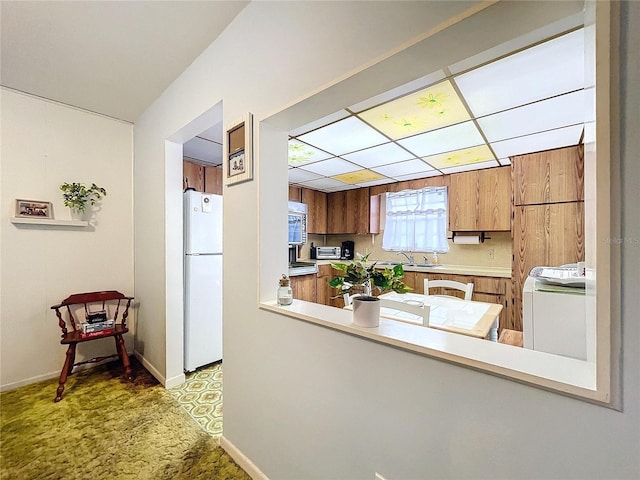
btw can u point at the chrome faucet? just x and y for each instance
(408, 257)
(426, 260)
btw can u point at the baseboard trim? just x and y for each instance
(28, 381)
(241, 459)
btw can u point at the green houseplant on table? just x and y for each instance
(77, 195)
(360, 276)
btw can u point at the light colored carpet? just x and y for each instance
(105, 428)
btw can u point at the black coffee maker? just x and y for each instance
(347, 250)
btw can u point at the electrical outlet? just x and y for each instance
(491, 253)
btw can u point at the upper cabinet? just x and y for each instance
(348, 211)
(480, 200)
(317, 210)
(549, 177)
(213, 180)
(203, 179)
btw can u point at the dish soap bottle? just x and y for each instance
(435, 258)
(285, 294)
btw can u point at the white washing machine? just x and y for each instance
(556, 321)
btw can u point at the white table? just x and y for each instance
(459, 316)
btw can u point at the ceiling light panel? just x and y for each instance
(380, 155)
(562, 137)
(403, 168)
(466, 156)
(344, 136)
(334, 117)
(333, 166)
(536, 117)
(298, 175)
(446, 139)
(551, 68)
(400, 91)
(301, 154)
(358, 176)
(431, 108)
(325, 184)
(472, 166)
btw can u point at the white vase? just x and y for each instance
(78, 215)
(366, 311)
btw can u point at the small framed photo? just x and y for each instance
(238, 151)
(33, 208)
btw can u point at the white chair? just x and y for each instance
(348, 298)
(467, 288)
(414, 309)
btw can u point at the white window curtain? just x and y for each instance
(416, 221)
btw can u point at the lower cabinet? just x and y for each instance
(304, 287)
(485, 289)
(324, 291)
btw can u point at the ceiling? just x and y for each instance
(466, 116)
(113, 58)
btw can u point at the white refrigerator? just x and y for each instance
(202, 279)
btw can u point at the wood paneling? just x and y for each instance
(192, 176)
(295, 194)
(480, 200)
(549, 234)
(213, 180)
(549, 177)
(304, 287)
(317, 210)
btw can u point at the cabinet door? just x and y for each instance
(324, 291)
(480, 200)
(213, 180)
(336, 216)
(549, 177)
(317, 210)
(193, 176)
(295, 194)
(304, 287)
(551, 234)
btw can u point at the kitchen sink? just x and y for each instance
(392, 264)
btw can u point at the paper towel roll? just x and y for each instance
(466, 239)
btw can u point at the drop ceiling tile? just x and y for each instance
(203, 150)
(358, 176)
(403, 168)
(504, 161)
(550, 114)
(213, 133)
(334, 117)
(344, 136)
(471, 166)
(455, 137)
(400, 91)
(428, 109)
(297, 175)
(333, 166)
(561, 137)
(414, 176)
(543, 71)
(382, 181)
(456, 158)
(301, 153)
(325, 183)
(380, 155)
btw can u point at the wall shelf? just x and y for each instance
(49, 221)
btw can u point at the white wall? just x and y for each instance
(43, 145)
(305, 402)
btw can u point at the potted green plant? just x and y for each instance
(361, 277)
(77, 195)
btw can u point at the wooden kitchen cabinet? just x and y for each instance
(480, 200)
(324, 291)
(192, 176)
(213, 180)
(549, 177)
(304, 287)
(544, 235)
(348, 211)
(295, 194)
(316, 202)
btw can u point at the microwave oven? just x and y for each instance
(297, 223)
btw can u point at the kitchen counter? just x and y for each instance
(475, 270)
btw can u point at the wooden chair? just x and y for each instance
(467, 288)
(74, 331)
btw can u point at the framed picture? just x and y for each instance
(238, 151)
(34, 208)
